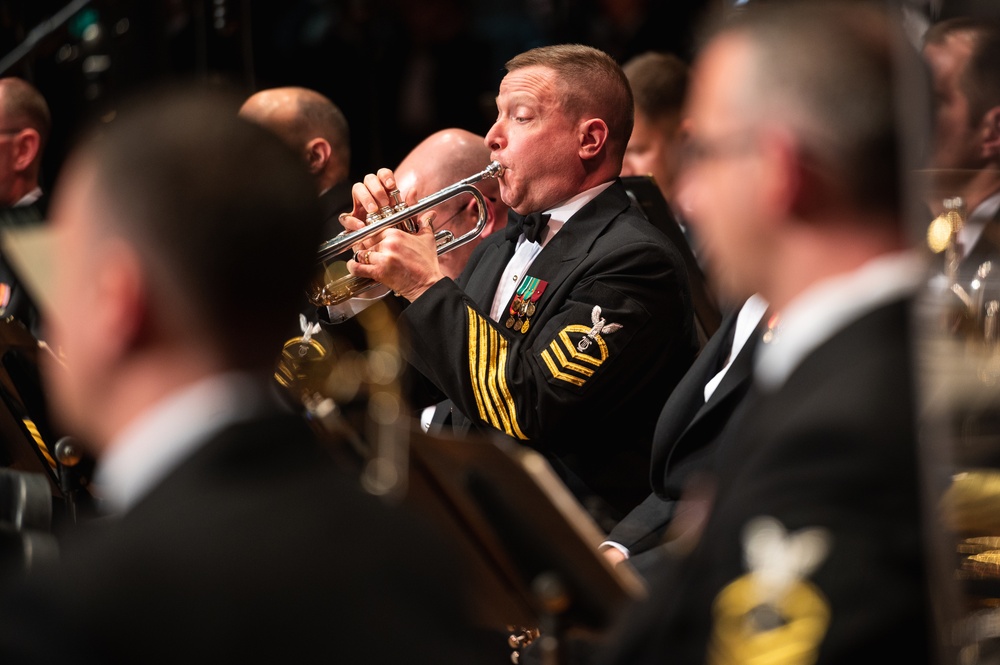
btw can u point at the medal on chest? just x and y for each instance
(524, 303)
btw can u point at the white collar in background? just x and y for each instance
(828, 306)
(29, 198)
(747, 321)
(974, 224)
(162, 437)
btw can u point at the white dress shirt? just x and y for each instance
(162, 437)
(526, 251)
(827, 307)
(976, 221)
(29, 198)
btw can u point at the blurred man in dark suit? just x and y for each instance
(813, 545)
(964, 58)
(25, 124)
(230, 534)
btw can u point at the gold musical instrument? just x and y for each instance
(326, 292)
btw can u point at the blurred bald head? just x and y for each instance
(440, 160)
(308, 122)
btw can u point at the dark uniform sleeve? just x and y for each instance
(618, 326)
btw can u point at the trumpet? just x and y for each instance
(325, 292)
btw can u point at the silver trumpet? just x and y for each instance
(326, 292)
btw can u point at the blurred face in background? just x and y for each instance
(83, 285)
(655, 149)
(957, 136)
(719, 190)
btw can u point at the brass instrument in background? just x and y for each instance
(959, 363)
(327, 290)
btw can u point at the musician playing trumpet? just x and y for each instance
(503, 342)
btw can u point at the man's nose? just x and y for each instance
(494, 137)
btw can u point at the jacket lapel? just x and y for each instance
(688, 398)
(573, 242)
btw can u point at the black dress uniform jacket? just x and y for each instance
(835, 447)
(686, 434)
(256, 549)
(611, 335)
(16, 301)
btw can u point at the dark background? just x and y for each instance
(398, 69)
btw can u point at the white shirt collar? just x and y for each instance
(162, 437)
(828, 306)
(974, 224)
(747, 321)
(29, 198)
(525, 252)
(562, 213)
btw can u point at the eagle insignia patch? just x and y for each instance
(599, 328)
(773, 614)
(576, 362)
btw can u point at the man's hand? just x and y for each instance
(614, 555)
(405, 262)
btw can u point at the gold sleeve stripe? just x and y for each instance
(479, 348)
(487, 371)
(571, 347)
(515, 429)
(487, 376)
(37, 436)
(567, 363)
(497, 378)
(557, 373)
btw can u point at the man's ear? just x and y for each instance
(122, 291)
(593, 134)
(471, 213)
(317, 154)
(991, 134)
(27, 144)
(787, 181)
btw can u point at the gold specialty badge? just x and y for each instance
(942, 229)
(575, 363)
(942, 232)
(523, 304)
(772, 615)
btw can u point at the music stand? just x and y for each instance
(528, 531)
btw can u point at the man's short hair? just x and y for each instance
(24, 106)
(981, 79)
(592, 84)
(659, 83)
(834, 73)
(222, 212)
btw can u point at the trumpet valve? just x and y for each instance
(397, 201)
(443, 237)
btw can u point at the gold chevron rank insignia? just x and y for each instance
(488, 372)
(577, 351)
(773, 614)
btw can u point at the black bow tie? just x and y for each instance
(530, 225)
